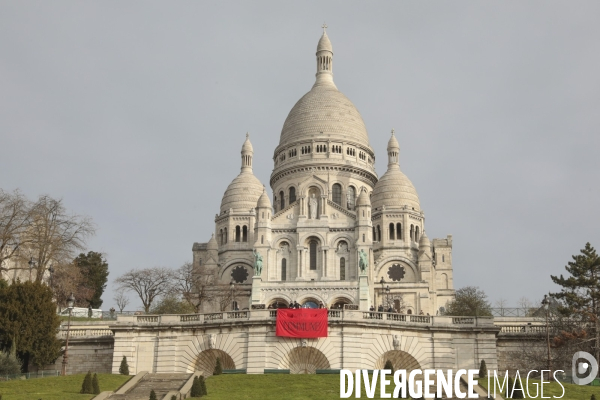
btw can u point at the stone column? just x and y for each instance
(325, 263)
(324, 204)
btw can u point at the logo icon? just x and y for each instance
(581, 368)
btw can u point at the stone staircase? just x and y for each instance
(161, 383)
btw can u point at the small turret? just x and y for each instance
(247, 153)
(263, 219)
(324, 60)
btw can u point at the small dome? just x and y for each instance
(247, 146)
(263, 200)
(324, 44)
(394, 189)
(242, 193)
(212, 243)
(363, 199)
(393, 143)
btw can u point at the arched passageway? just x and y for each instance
(304, 360)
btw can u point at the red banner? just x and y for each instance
(302, 323)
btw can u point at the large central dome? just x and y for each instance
(324, 111)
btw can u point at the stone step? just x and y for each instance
(160, 383)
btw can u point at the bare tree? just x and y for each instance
(14, 220)
(148, 283)
(196, 284)
(223, 296)
(53, 235)
(121, 299)
(69, 279)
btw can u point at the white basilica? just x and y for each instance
(329, 208)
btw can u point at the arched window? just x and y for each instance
(416, 234)
(399, 231)
(281, 200)
(245, 234)
(238, 233)
(262, 239)
(342, 269)
(444, 281)
(351, 198)
(284, 269)
(392, 237)
(378, 233)
(363, 237)
(412, 232)
(443, 258)
(221, 237)
(337, 193)
(292, 195)
(225, 235)
(409, 311)
(313, 254)
(234, 305)
(374, 235)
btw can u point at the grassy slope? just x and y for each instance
(56, 388)
(572, 392)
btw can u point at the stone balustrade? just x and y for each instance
(522, 329)
(349, 316)
(84, 332)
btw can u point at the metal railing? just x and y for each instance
(513, 312)
(29, 375)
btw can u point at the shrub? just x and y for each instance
(172, 397)
(95, 384)
(511, 383)
(9, 364)
(86, 387)
(591, 398)
(152, 395)
(483, 369)
(202, 383)
(389, 365)
(124, 368)
(195, 392)
(218, 368)
(518, 392)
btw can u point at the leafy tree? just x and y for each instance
(9, 364)
(469, 301)
(580, 293)
(152, 395)
(218, 368)
(124, 368)
(87, 386)
(95, 384)
(28, 322)
(170, 304)
(389, 365)
(482, 369)
(94, 269)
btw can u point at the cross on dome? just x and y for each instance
(324, 27)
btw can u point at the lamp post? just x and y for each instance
(31, 266)
(546, 304)
(232, 286)
(387, 295)
(70, 303)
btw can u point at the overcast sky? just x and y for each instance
(134, 113)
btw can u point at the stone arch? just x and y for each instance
(310, 297)
(207, 360)
(339, 237)
(276, 244)
(304, 188)
(379, 271)
(340, 299)
(225, 276)
(400, 360)
(279, 299)
(304, 360)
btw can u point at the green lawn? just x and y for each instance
(57, 387)
(571, 392)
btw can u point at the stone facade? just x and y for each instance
(329, 206)
(356, 340)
